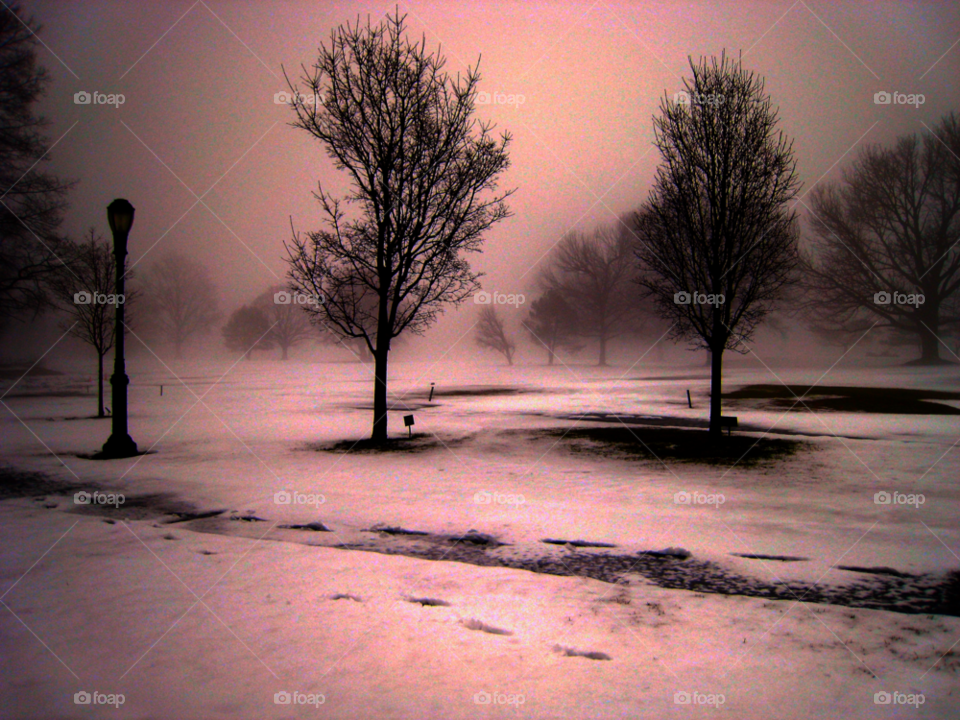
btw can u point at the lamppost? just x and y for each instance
(120, 444)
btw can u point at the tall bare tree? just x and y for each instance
(85, 292)
(594, 273)
(179, 300)
(717, 242)
(290, 322)
(492, 333)
(248, 329)
(884, 250)
(553, 324)
(31, 201)
(423, 177)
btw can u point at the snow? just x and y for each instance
(137, 606)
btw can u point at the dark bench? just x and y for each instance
(728, 421)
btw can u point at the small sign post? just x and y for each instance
(408, 421)
(430, 399)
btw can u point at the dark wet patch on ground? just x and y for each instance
(926, 594)
(312, 526)
(420, 442)
(780, 558)
(390, 530)
(577, 543)
(844, 398)
(675, 568)
(476, 391)
(666, 443)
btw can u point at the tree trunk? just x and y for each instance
(100, 387)
(380, 395)
(603, 351)
(284, 347)
(550, 356)
(929, 345)
(716, 358)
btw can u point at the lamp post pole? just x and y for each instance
(120, 444)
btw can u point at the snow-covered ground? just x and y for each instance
(190, 624)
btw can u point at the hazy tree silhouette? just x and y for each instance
(716, 226)
(248, 329)
(886, 233)
(179, 300)
(423, 176)
(291, 324)
(82, 292)
(594, 273)
(492, 334)
(31, 201)
(553, 324)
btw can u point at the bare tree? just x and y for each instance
(180, 300)
(419, 165)
(248, 329)
(85, 291)
(884, 250)
(717, 242)
(491, 333)
(594, 273)
(291, 323)
(553, 324)
(32, 201)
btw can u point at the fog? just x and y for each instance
(214, 169)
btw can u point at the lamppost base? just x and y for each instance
(119, 446)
